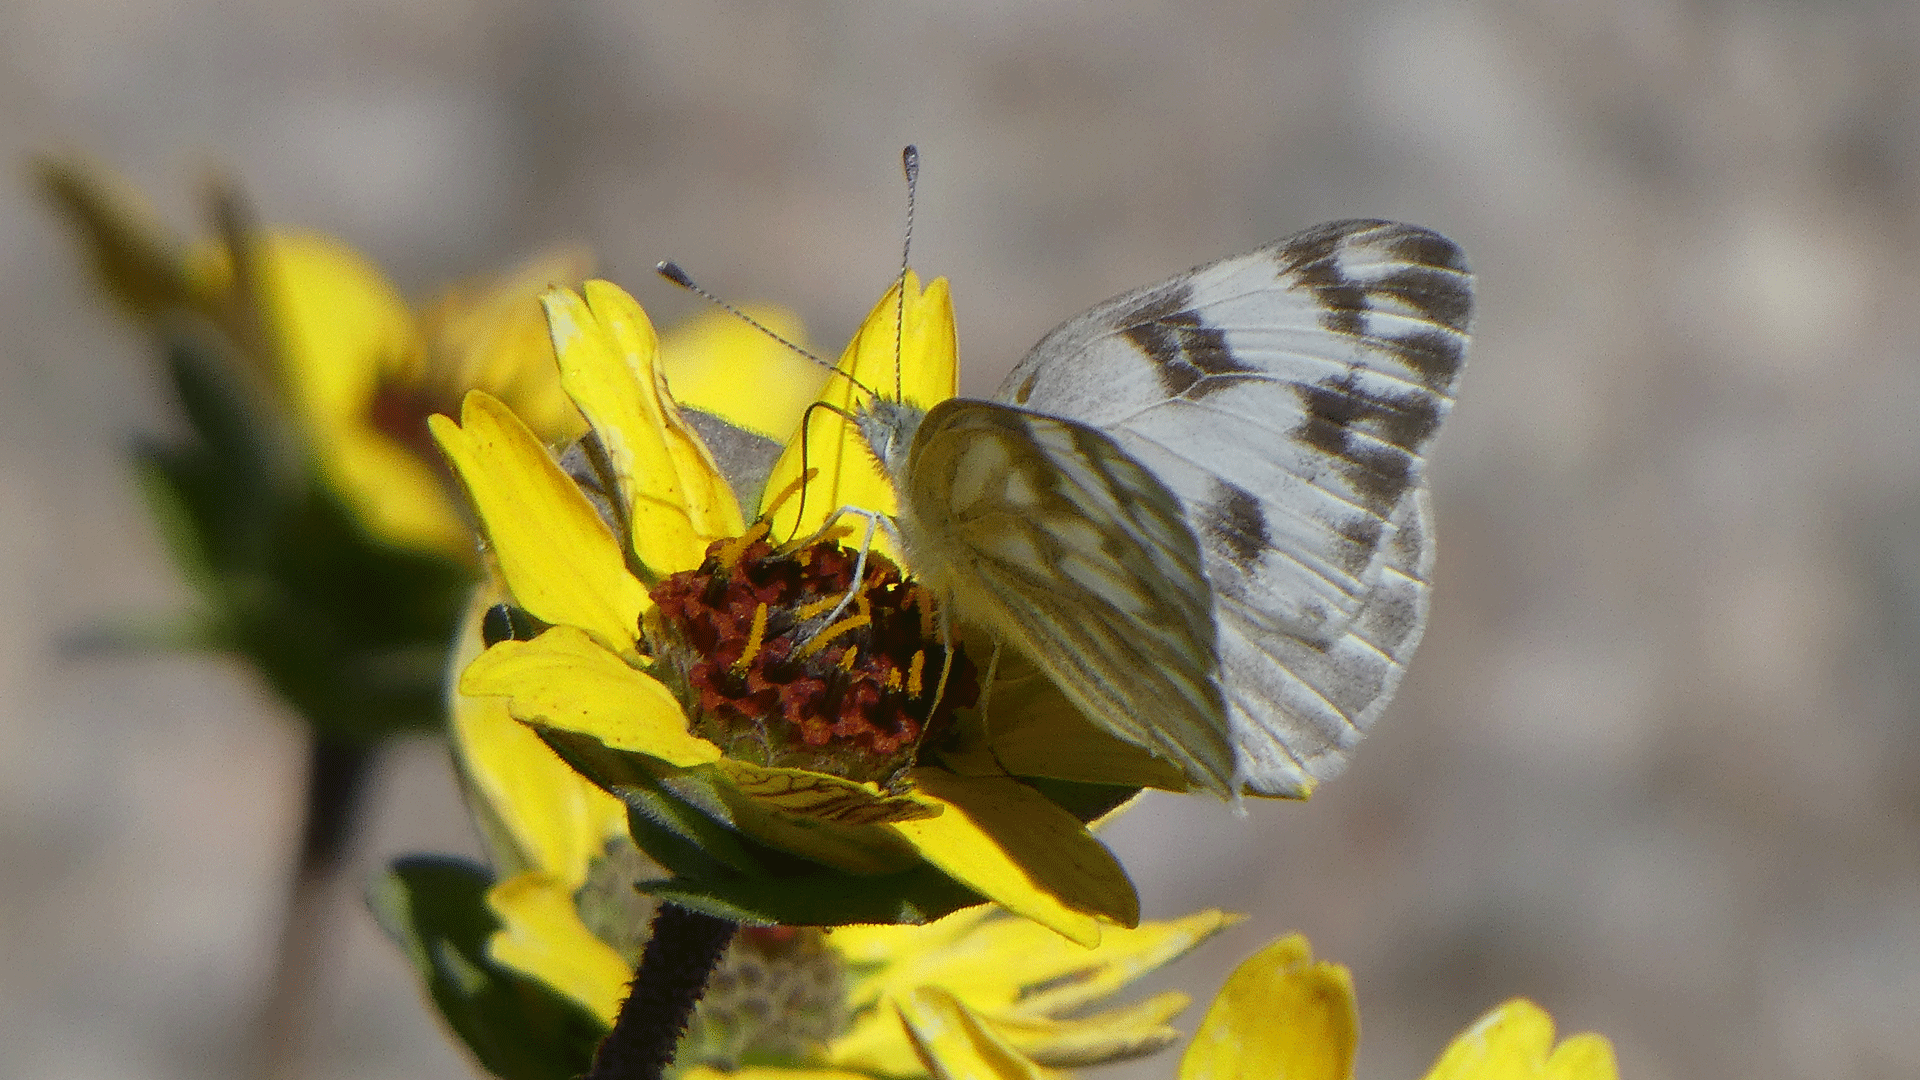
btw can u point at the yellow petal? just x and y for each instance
(955, 1045)
(338, 330)
(608, 354)
(720, 365)
(1585, 1056)
(393, 492)
(1280, 1016)
(541, 936)
(888, 947)
(564, 679)
(556, 821)
(1515, 1042)
(1509, 1043)
(928, 373)
(1017, 967)
(1009, 843)
(1017, 974)
(1112, 1035)
(876, 1045)
(556, 555)
(1125, 954)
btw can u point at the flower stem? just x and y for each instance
(680, 954)
(336, 782)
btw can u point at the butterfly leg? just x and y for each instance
(986, 695)
(986, 684)
(874, 520)
(946, 658)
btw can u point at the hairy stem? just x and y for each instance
(680, 955)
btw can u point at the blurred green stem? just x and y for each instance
(336, 784)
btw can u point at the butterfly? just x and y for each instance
(1201, 508)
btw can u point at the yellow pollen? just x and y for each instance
(850, 657)
(818, 607)
(893, 679)
(755, 638)
(731, 551)
(825, 637)
(915, 684)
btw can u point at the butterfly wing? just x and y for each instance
(1287, 399)
(1046, 533)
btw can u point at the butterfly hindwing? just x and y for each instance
(1286, 398)
(1043, 531)
(1297, 706)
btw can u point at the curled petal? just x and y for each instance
(670, 486)
(1586, 1056)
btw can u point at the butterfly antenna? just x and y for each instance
(672, 272)
(910, 165)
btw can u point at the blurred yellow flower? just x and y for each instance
(679, 636)
(354, 371)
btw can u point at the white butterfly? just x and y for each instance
(1201, 507)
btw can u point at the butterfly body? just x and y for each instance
(1201, 507)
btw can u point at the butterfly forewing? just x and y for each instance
(1286, 398)
(1044, 532)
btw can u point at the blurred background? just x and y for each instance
(1657, 765)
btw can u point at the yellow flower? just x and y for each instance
(1282, 1014)
(568, 920)
(639, 574)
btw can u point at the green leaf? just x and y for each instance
(826, 897)
(673, 832)
(722, 871)
(435, 909)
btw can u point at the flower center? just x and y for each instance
(399, 410)
(775, 669)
